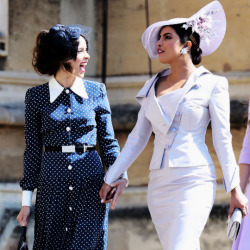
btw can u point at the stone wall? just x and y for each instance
(124, 118)
(127, 67)
(127, 22)
(129, 229)
(28, 18)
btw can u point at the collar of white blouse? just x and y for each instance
(55, 88)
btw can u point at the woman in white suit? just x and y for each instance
(177, 104)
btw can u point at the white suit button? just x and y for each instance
(68, 110)
(70, 208)
(67, 91)
(70, 167)
(68, 129)
(71, 188)
(66, 229)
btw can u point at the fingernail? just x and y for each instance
(102, 201)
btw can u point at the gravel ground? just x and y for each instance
(128, 230)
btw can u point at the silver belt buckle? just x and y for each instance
(69, 149)
(85, 148)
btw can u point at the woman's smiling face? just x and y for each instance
(168, 45)
(78, 65)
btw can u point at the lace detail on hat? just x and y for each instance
(203, 25)
(65, 33)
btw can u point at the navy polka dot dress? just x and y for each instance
(68, 211)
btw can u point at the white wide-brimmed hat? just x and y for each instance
(209, 22)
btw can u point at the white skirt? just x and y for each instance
(180, 200)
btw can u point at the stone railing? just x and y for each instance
(124, 116)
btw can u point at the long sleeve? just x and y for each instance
(219, 108)
(33, 151)
(105, 132)
(134, 145)
(245, 152)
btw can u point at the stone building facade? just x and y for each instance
(127, 66)
(127, 63)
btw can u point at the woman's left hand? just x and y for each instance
(115, 188)
(239, 200)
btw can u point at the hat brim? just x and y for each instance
(150, 35)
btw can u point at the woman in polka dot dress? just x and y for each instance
(63, 120)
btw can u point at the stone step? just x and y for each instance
(132, 197)
(129, 229)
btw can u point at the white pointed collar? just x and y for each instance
(55, 88)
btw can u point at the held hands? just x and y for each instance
(23, 216)
(111, 193)
(239, 200)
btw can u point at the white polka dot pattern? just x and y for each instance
(68, 212)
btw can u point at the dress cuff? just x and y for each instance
(235, 181)
(123, 176)
(27, 198)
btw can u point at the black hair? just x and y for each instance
(184, 35)
(53, 51)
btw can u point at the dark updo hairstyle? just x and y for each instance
(184, 35)
(54, 48)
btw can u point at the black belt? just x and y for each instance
(69, 149)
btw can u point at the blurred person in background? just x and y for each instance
(243, 241)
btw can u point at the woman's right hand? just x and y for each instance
(239, 200)
(23, 216)
(116, 188)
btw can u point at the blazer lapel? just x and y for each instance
(143, 93)
(155, 115)
(153, 110)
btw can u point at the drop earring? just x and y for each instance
(184, 51)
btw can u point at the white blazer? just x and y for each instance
(180, 132)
